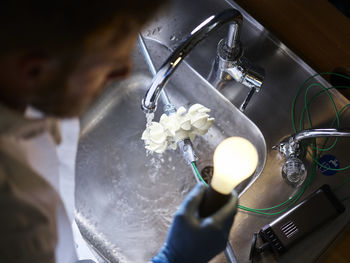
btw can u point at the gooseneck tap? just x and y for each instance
(149, 102)
(169, 108)
(291, 148)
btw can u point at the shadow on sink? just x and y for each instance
(125, 199)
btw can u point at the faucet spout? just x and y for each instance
(149, 102)
(315, 133)
(291, 148)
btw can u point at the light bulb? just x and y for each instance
(235, 159)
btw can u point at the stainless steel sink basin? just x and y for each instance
(125, 199)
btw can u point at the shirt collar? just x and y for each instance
(15, 123)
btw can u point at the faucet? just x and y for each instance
(185, 146)
(149, 102)
(233, 16)
(292, 149)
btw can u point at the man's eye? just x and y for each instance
(119, 73)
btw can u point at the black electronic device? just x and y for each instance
(319, 207)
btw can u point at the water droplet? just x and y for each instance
(173, 38)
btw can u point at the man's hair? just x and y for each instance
(60, 24)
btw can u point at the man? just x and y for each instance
(55, 58)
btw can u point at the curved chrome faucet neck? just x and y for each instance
(294, 151)
(291, 145)
(149, 103)
(293, 170)
(315, 133)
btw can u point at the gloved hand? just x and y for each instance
(192, 239)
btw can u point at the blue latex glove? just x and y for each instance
(192, 239)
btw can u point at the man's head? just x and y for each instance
(57, 55)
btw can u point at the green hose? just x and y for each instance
(314, 155)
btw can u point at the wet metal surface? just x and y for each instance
(125, 199)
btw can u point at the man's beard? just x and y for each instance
(59, 99)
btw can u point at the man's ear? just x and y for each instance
(22, 75)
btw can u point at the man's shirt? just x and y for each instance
(37, 158)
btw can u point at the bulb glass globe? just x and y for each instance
(235, 159)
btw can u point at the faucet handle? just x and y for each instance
(254, 75)
(251, 76)
(247, 99)
(294, 171)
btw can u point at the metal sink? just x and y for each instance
(125, 199)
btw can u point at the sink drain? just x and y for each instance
(207, 173)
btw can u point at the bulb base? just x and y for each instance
(212, 201)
